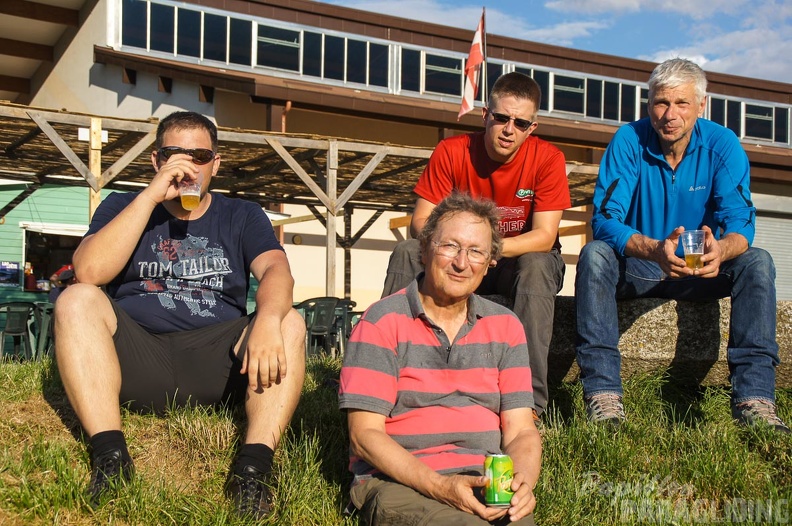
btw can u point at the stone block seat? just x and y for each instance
(688, 339)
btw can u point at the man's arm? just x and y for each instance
(102, 256)
(521, 441)
(420, 214)
(265, 356)
(541, 238)
(370, 442)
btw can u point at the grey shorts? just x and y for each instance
(196, 367)
(384, 502)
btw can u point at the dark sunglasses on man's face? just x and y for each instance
(520, 124)
(199, 155)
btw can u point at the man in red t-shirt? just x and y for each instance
(526, 177)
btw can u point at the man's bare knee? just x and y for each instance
(83, 307)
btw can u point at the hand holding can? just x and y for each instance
(499, 470)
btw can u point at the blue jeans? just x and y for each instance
(603, 277)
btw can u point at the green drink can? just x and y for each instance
(499, 470)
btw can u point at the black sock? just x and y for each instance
(107, 441)
(257, 455)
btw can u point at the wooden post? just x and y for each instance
(332, 172)
(95, 165)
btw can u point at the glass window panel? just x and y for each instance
(443, 75)
(378, 65)
(643, 105)
(411, 70)
(188, 41)
(717, 110)
(334, 58)
(356, 61)
(215, 37)
(241, 42)
(493, 72)
(133, 28)
(733, 115)
(568, 94)
(781, 125)
(312, 54)
(162, 17)
(611, 101)
(594, 98)
(627, 103)
(759, 121)
(278, 48)
(543, 79)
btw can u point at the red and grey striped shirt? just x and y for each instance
(441, 399)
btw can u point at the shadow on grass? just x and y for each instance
(55, 396)
(318, 414)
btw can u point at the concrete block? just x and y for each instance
(688, 339)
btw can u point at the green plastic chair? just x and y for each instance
(17, 325)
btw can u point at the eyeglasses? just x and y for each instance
(452, 250)
(199, 155)
(520, 124)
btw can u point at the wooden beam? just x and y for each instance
(41, 12)
(18, 84)
(20, 49)
(64, 148)
(574, 230)
(398, 222)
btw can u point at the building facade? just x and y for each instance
(303, 67)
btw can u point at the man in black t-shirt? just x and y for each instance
(172, 327)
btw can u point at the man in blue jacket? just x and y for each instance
(660, 176)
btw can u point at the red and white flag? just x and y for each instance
(472, 69)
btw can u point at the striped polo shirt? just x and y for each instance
(441, 399)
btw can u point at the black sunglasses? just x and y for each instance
(199, 155)
(520, 124)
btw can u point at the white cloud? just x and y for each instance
(699, 10)
(740, 37)
(564, 34)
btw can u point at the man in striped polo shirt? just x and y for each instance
(434, 379)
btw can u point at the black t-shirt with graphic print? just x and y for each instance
(189, 274)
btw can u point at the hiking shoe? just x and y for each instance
(250, 493)
(758, 412)
(606, 407)
(109, 471)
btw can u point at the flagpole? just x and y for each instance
(484, 86)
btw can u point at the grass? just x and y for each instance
(678, 460)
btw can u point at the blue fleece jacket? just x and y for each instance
(638, 192)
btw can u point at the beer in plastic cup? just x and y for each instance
(190, 193)
(693, 245)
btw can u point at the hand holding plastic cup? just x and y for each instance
(693, 245)
(190, 193)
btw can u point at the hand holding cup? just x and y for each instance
(693, 245)
(190, 193)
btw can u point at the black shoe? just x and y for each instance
(109, 470)
(250, 493)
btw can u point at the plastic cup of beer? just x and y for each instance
(693, 245)
(190, 193)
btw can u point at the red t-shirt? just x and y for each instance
(534, 181)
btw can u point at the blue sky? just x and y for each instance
(750, 38)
